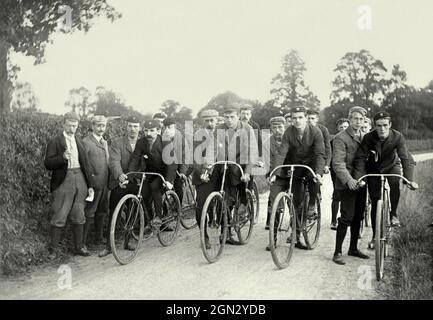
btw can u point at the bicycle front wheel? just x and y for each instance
(282, 230)
(126, 230)
(245, 222)
(187, 218)
(213, 227)
(256, 201)
(170, 218)
(379, 242)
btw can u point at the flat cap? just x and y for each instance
(160, 115)
(342, 120)
(231, 108)
(312, 111)
(168, 121)
(71, 116)
(358, 109)
(132, 119)
(150, 124)
(288, 115)
(277, 120)
(209, 113)
(298, 109)
(381, 115)
(99, 118)
(246, 106)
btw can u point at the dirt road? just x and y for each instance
(181, 272)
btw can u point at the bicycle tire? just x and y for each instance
(170, 218)
(311, 227)
(187, 218)
(256, 200)
(246, 222)
(386, 224)
(129, 208)
(282, 220)
(213, 226)
(379, 249)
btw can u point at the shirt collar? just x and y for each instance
(68, 136)
(97, 137)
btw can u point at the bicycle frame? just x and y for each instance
(143, 177)
(225, 163)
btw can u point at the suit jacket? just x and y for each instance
(375, 156)
(97, 155)
(120, 154)
(182, 147)
(204, 146)
(145, 159)
(345, 145)
(55, 161)
(327, 141)
(276, 155)
(309, 151)
(256, 129)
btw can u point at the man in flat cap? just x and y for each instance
(120, 152)
(344, 148)
(342, 124)
(203, 155)
(148, 157)
(366, 126)
(71, 183)
(303, 144)
(220, 120)
(278, 125)
(160, 117)
(384, 150)
(97, 154)
(313, 119)
(288, 118)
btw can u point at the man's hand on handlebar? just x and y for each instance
(205, 177)
(246, 177)
(318, 179)
(272, 179)
(413, 185)
(326, 170)
(353, 184)
(168, 185)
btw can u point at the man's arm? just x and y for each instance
(114, 162)
(328, 152)
(319, 153)
(360, 160)
(339, 161)
(136, 157)
(407, 161)
(53, 160)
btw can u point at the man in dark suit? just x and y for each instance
(148, 157)
(313, 119)
(97, 154)
(120, 153)
(70, 184)
(384, 150)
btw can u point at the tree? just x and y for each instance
(184, 114)
(26, 26)
(223, 100)
(289, 86)
(24, 98)
(80, 102)
(262, 113)
(360, 79)
(169, 107)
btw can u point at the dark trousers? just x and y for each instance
(203, 190)
(178, 188)
(298, 186)
(280, 184)
(352, 208)
(335, 204)
(374, 190)
(153, 190)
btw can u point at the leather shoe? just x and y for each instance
(358, 254)
(82, 252)
(104, 253)
(301, 246)
(231, 241)
(268, 248)
(338, 259)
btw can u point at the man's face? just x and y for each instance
(160, 120)
(132, 129)
(220, 121)
(278, 130)
(231, 119)
(356, 120)
(210, 123)
(313, 119)
(366, 127)
(246, 115)
(343, 126)
(98, 128)
(299, 120)
(70, 126)
(382, 127)
(150, 134)
(289, 121)
(169, 131)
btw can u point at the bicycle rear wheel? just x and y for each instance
(387, 223)
(170, 218)
(256, 201)
(282, 230)
(379, 242)
(311, 225)
(187, 218)
(245, 223)
(213, 227)
(126, 230)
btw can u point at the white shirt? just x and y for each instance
(98, 138)
(71, 145)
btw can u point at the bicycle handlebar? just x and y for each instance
(144, 174)
(225, 163)
(291, 167)
(409, 183)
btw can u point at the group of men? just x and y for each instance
(89, 176)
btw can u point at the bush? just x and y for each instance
(420, 145)
(24, 186)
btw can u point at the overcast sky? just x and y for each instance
(191, 50)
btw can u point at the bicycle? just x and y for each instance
(383, 225)
(283, 223)
(366, 215)
(189, 204)
(128, 222)
(217, 219)
(256, 200)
